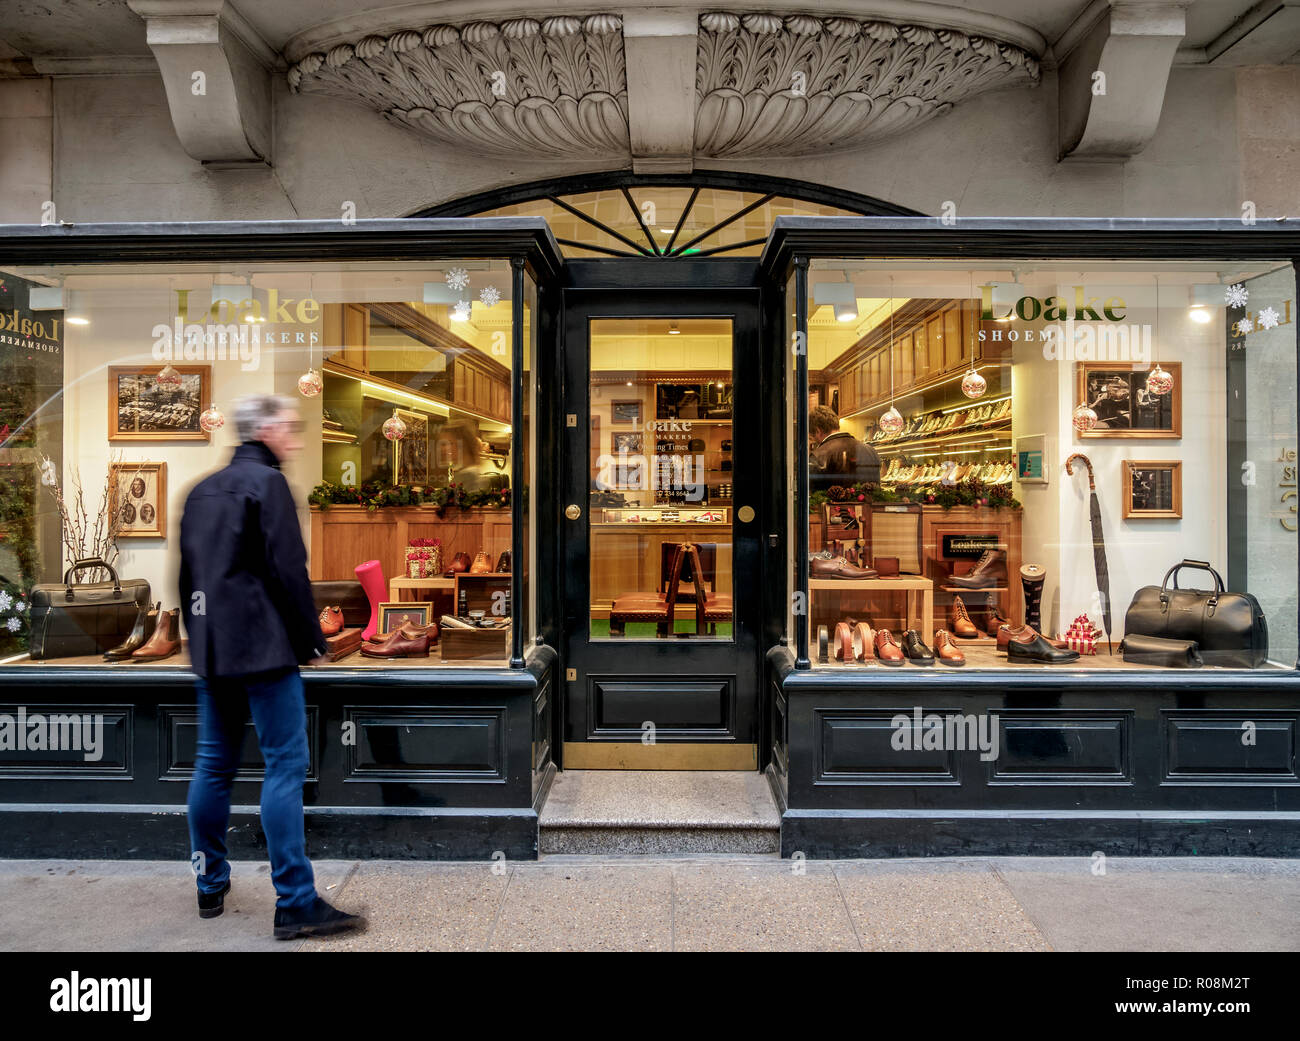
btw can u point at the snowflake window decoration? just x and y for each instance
(1245, 325)
(460, 313)
(1237, 295)
(458, 278)
(1268, 318)
(13, 625)
(490, 295)
(6, 601)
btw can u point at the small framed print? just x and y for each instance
(1125, 408)
(625, 413)
(138, 500)
(1031, 451)
(147, 403)
(627, 444)
(1153, 489)
(394, 614)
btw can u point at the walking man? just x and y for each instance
(251, 621)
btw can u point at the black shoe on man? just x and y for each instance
(316, 919)
(211, 905)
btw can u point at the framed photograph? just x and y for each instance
(629, 443)
(137, 498)
(411, 453)
(1153, 489)
(144, 404)
(1125, 408)
(625, 413)
(1031, 451)
(394, 614)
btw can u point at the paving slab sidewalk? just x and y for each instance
(720, 902)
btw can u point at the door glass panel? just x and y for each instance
(661, 455)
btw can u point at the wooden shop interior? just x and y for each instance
(866, 355)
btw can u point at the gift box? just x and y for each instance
(424, 558)
(1082, 636)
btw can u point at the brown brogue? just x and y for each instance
(165, 641)
(990, 570)
(837, 567)
(887, 649)
(482, 564)
(400, 645)
(959, 621)
(331, 621)
(946, 649)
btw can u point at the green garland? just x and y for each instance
(971, 492)
(376, 496)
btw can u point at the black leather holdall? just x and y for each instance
(1156, 650)
(73, 620)
(1228, 628)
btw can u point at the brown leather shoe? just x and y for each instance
(946, 650)
(331, 621)
(459, 564)
(165, 641)
(399, 646)
(996, 617)
(503, 563)
(989, 570)
(959, 621)
(482, 565)
(1008, 632)
(887, 649)
(837, 567)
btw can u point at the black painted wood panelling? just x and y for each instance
(694, 710)
(424, 743)
(113, 725)
(856, 747)
(1063, 748)
(178, 740)
(1230, 747)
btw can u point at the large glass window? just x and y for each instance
(120, 384)
(1052, 464)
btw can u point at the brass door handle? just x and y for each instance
(573, 511)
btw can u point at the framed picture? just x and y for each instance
(1153, 489)
(625, 413)
(411, 453)
(394, 614)
(144, 404)
(138, 500)
(629, 443)
(1125, 408)
(844, 521)
(1031, 451)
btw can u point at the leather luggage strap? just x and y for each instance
(862, 642)
(843, 642)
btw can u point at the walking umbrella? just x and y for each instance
(1098, 543)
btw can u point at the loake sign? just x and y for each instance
(1052, 309)
(279, 311)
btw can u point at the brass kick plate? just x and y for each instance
(632, 755)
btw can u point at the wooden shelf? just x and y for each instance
(992, 427)
(983, 589)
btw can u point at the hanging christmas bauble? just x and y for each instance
(1159, 382)
(310, 384)
(394, 428)
(1084, 419)
(973, 385)
(168, 377)
(891, 422)
(212, 419)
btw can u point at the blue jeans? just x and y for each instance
(280, 716)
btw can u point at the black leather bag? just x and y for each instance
(73, 620)
(1228, 628)
(1155, 650)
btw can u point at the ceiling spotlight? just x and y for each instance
(1200, 314)
(77, 320)
(845, 312)
(841, 296)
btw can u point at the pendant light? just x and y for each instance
(1159, 382)
(891, 422)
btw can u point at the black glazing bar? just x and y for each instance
(800, 450)
(641, 250)
(727, 249)
(681, 221)
(730, 220)
(636, 216)
(518, 515)
(598, 249)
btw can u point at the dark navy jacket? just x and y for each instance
(245, 591)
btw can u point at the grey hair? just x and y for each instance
(257, 411)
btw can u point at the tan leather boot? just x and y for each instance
(165, 641)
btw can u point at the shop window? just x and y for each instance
(120, 384)
(1051, 465)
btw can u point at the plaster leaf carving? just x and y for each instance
(860, 80)
(554, 88)
(766, 84)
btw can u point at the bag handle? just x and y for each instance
(90, 562)
(1198, 565)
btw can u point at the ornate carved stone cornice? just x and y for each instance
(801, 85)
(765, 84)
(553, 88)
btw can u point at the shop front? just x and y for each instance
(971, 539)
